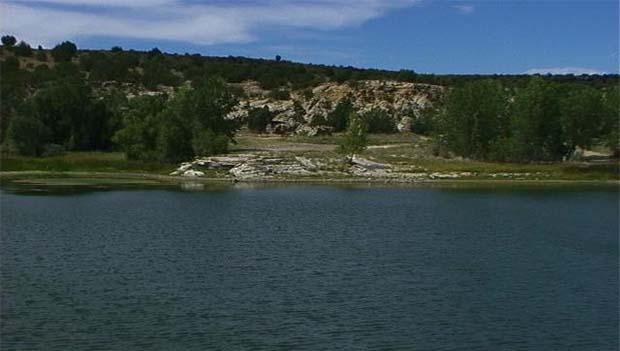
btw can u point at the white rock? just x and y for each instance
(367, 164)
(193, 173)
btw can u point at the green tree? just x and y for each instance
(156, 72)
(139, 135)
(22, 49)
(355, 139)
(175, 135)
(192, 123)
(211, 102)
(62, 106)
(41, 56)
(8, 40)
(610, 132)
(473, 118)
(339, 117)
(64, 51)
(13, 91)
(379, 121)
(27, 135)
(537, 123)
(280, 94)
(75, 119)
(582, 116)
(259, 118)
(206, 142)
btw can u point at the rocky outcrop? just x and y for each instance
(304, 110)
(367, 164)
(249, 167)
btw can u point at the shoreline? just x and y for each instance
(84, 179)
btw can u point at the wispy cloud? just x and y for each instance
(464, 8)
(564, 70)
(207, 22)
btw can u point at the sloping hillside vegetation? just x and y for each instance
(169, 107)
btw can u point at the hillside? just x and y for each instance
(170, 108)
(299, 95)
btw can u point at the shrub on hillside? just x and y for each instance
(339, 117)
(22, 49)
(259, 118)
(64, 51)
(280, 94)
(379, 121)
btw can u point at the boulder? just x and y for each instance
(367, 164)
(193, 173)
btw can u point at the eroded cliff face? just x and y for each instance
(403, 101)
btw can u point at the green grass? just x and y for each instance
(420, 160)
(250, 140)
(373, 139)
(83, 162)
(414, 157)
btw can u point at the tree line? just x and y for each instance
(66, 115)
(48, 108)
(154, 67)
(543, 121)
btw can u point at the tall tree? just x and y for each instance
(473, 118)
(537, 123)
(582, 116)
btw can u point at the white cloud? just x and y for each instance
(214, 22)
(97, 3)
(564, 70)
(464, 9)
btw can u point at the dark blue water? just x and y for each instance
(310, 269)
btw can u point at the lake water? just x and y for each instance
(310, 268)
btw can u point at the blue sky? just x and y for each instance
(434, 36)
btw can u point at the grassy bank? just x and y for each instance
(405, 153)
(111, 162)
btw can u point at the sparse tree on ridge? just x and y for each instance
(64, 51)
(8, 40)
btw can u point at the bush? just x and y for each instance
(27, 135)
(8, 40)
(537, 123)
(280, 94)
(64, 52)
(307, 94)
(156, 72)
(41, 56)
(22, 49)
(192, 123)
(259, 118)
(424, 122)
(50, 150)
(339, 117)
(379, 121)
(473, 117)
(207, 143)
(355, 139)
